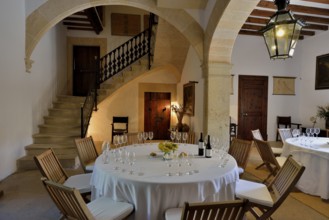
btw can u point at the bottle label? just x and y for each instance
(208, 153)
(200, 145)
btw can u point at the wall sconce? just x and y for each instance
(282, 32)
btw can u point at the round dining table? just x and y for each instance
(153, 184)
(313, 153)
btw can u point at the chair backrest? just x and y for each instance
(284, 133)
(257, 135)
(68, 200)
(86, 150)
(240, 150)
(215, 210)
(120, 120)
(50, 166)
(267, 154)
(284, 120)
(283, 183)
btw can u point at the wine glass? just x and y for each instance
(184, 137)
(145, 136)
(116, 141)
(150, 135)
(317, 131)
(140, 137)
(172, 136)
(308, 130)
(178, 136)
(312, 132)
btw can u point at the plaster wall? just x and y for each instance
(25, 97)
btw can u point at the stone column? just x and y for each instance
(217, 101)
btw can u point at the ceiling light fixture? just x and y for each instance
(282, 32)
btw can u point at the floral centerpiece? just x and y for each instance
(323, 112)
(167, 148)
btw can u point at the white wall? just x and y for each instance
(192, 72)
(25, 97)
(310, 98)
(250, 57)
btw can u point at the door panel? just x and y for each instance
(84, 68)
(252, 105)
(157, 114)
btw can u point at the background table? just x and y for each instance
(314, 156)
(154, 192)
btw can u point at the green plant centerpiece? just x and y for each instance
(168, 148)
(323, 112)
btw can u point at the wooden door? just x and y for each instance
(252, 106)
(157, 114)
(84, 68)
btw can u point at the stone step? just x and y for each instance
(67, 98)
(67, 161)
(64, 112)
(53, 138)
(36, 149)
(67, 105)
(56, 120)
(60, 129)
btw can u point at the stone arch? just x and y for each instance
(222, 30)
(53, 11)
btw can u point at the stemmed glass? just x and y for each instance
(184, 137)
(178, 136)
(172, 136)
(140, 137)
(312, 132)
(308, 131)
(116, 141)
(317, 131)
(145, 136)
(150, 135)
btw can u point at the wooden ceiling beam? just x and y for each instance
(317, 1)
(296, 8)
(76, 19)
(256, 33)
(76, 24)
(80, 29)
(306, 18)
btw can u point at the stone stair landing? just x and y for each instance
(60, 128)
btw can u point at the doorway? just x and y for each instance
(252, 106)
(157, 114)
(85, 62)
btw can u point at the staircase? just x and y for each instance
(59, 130)
(136, 69)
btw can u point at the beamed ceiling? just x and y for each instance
(314, 12)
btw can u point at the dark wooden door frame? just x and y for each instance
(252, 111)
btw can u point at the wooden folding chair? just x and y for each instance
(284, 134)
(71, 205)
(272, 163)
(257, 135)
(240, 151)
(264, 201)
(211, 210)
(51, 168)
(87, 153)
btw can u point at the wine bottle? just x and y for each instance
(201, 147)
(208, 148)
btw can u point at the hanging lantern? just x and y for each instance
(282, 32)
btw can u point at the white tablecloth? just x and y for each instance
(314, 155)
(154, 192)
